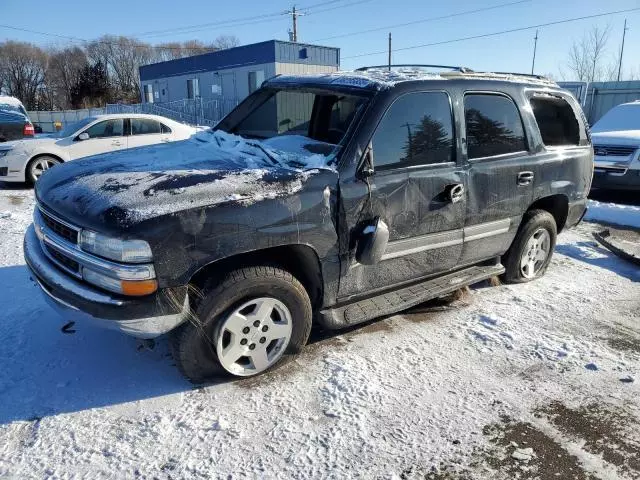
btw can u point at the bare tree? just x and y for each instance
(122, 56)
(64, 70)
(22, 71)
(589, 59)
(223, 42)
(196, 47)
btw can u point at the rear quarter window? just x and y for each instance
(556, 121)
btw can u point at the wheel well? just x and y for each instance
(300, 260)
(556, 205)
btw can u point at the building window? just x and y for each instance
(302, 54)
(193, 88)
(255, 80)
(148, 93)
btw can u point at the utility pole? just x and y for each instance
(389, 52)
(294, 16)
(624, 33)
(535, 47)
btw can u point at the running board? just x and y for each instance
(404, 298)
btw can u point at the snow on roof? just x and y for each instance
(375, 79)
(6, 100)
(382, 78)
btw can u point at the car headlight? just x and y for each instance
(126, 251)
(4, 152)
(124, 287)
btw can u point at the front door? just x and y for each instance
(500, 174)
(104, 136)
(415, 173)
(147, 131)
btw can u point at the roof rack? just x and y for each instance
(408, 65)
(503, 76)
(531, 75)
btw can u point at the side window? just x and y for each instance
(494, 126)
(106, 129)
(556, 120)
(416, 130)
(164, 128)
(144, 126)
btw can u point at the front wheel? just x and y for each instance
(38, 166)
(246, 323)
(532, 248)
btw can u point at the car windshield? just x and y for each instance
(622, 117)
(287, 118)
(72, 128)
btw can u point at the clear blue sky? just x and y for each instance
(508, 52)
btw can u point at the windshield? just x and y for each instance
(72, 128)
(317, 116)
(622, 117)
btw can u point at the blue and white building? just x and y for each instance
(228, 76)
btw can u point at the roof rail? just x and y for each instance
(531, 75)
(404, 65)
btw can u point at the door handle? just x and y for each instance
(166, 140)
(454, 192)
(116, 143)
(525, 178)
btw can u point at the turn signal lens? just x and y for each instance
(138, 288)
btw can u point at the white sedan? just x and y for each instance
(26, 160)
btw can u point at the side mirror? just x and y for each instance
(372, 243)
(83, 136)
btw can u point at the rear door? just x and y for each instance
(501, 175)
(414, 161)
(104, 136)
(148, 131)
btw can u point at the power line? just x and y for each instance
(103, 42)
(251, 20)
(493, 34)
(424, 20)
(210, 24)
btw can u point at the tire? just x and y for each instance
(197, 345)
(37, 166)
(535, 225)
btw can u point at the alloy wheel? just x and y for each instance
(535, 253)
(254, 336)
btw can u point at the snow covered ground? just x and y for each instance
(613, 213)
(528, 381)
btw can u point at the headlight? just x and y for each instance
(126, 251)
(124, 287)
(4, 152)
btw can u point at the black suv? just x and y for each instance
(329, 199)
(14, 120)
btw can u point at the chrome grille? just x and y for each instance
(63, 260)
(613, 151)
(59, 227)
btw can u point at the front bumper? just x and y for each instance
(74, 300)
(611, 180)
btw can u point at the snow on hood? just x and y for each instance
(212, 167)
(620, 137)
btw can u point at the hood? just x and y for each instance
(620, 137)
(27, 144)
(121, 189)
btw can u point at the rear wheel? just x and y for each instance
(38, 166)
(245, 324)
(532, 249)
